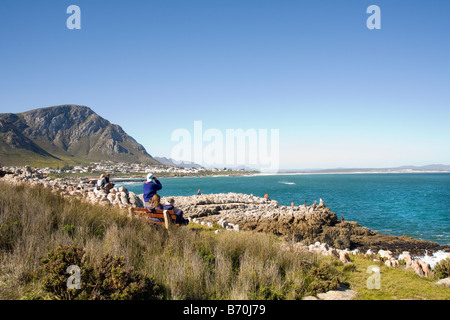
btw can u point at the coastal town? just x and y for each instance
(120, 169)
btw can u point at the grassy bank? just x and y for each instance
(395, 283)
(42, 233)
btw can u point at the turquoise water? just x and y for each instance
(414, 204)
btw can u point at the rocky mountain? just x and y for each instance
(67, 133)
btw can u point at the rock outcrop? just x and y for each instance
(75, 188)
(303, 223)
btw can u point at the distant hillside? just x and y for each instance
(65, 134)
(427, 168)
(174, 163)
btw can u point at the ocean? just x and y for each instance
(412, 204)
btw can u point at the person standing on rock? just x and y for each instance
(314, 205)
(151, 186)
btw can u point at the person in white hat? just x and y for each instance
(151, 186)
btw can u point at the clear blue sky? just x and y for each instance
(340, 94)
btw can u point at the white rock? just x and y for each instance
(111, 197)
(444, 283)
(385, 254)
(123, 189)
(369, 253)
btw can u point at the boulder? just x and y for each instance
(417, 268)
(343, 256)
(445, 283)
(111, 197)
(425, 268)
(134, 200)
(369, 253)
(123, 189)
(385, 254)
(405, 256)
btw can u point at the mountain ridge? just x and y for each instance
(66, 133)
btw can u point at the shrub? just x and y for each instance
(55, 268)
(442, 269)
(268, 293)
(324, 278)
(69, 229)
(111, 280)
(349, 267)
(115, 282)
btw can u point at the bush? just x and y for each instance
(349, 267)
(115, 282)
(442, 269)
(55, 268)
(268, 293)
(324, 278)
(109, 281)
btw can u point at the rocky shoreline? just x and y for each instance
(317, 229)
(301, 224)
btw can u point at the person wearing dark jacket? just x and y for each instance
(150, 187)
(178, 213)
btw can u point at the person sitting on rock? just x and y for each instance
(109, 185)
(169, 205)
(266, 196)
(101, 182)
(151, 186)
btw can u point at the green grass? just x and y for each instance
(396, 283)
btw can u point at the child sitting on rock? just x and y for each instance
(178, 213)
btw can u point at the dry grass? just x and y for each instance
(188, 263)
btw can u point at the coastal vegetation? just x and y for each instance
(42, 234)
